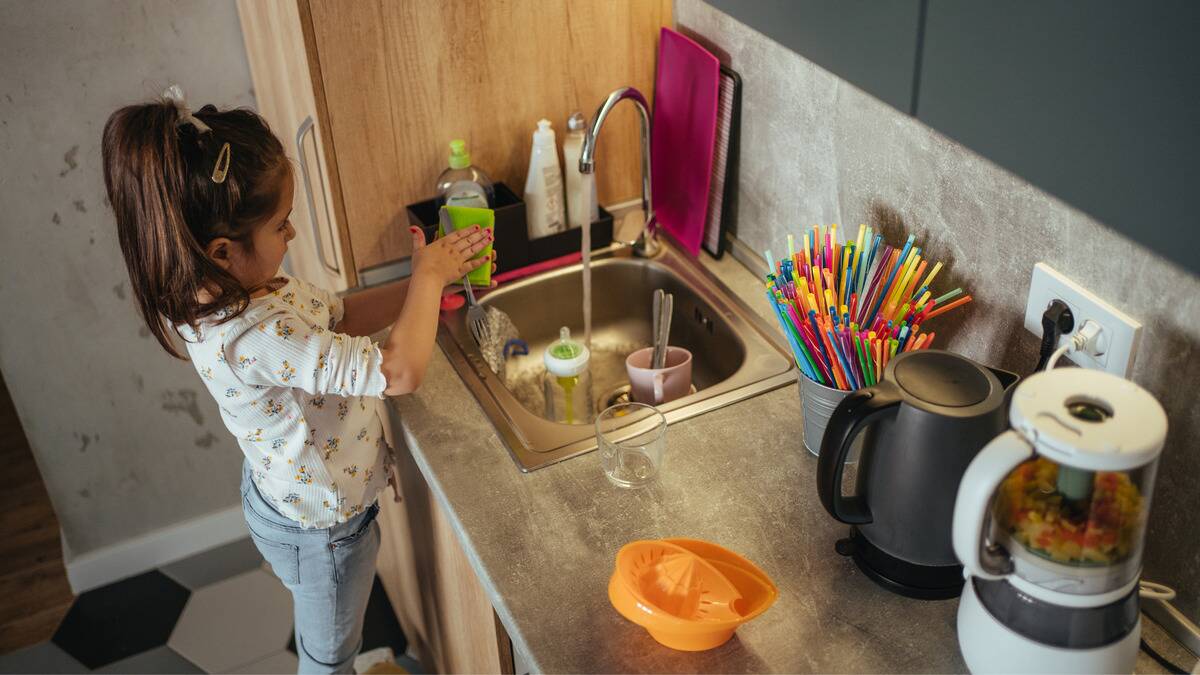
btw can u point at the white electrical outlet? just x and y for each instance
(1120, 333)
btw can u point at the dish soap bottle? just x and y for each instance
(463, 184)
(582, 208)
(544, 211)
(567, 381)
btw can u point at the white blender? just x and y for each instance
(1050, 522)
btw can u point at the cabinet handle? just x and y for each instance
(305, 127)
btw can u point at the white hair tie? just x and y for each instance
(175, 95)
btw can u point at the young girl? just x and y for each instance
(202, 202)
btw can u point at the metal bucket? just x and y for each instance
(818, 402)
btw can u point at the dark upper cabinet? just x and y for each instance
(870, 43)
(1095, 102)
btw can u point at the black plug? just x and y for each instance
(1056, 320)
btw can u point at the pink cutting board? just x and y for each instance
(684, 129)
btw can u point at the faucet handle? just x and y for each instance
(636, 232)
(631, 227)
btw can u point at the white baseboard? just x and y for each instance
(153, 549)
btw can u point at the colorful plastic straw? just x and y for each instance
(848, 308)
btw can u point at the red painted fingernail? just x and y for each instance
(414, 229)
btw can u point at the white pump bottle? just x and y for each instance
(544, 207)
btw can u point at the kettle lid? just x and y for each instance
(943, 379)
(1089, 419)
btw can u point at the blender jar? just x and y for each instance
(1074, 530)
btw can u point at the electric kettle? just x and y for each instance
(1049, 523)
(923, 423)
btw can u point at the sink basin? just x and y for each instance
(736, 355)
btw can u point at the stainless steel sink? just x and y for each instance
(736, 355)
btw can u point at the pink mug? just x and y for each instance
(647, 385)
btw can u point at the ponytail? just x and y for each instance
(159, 174)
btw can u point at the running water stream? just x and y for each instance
(586, 253)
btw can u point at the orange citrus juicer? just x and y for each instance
(688, 594)
(758, 592)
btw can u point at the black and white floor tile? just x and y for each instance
(221, 611)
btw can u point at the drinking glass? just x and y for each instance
(632, 439)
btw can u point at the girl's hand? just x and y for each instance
(449, 258)
(458, 287)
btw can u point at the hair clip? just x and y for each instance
(221, 168)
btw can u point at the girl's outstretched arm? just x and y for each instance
(409, 346)
(369, 311)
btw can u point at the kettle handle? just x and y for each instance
(852, 415)
(979, 483)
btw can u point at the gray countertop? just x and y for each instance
(543, 544)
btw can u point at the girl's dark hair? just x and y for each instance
(158, 170)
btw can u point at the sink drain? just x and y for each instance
(613, 397)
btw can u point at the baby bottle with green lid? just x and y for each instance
(567, 382)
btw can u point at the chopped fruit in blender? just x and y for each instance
(1097, 529)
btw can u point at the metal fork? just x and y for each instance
(476, 317)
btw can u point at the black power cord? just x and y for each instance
(1056, 320)
(1162, 660)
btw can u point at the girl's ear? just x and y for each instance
(220, 250)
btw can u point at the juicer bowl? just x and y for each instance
(685, 600)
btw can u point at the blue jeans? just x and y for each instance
(329, 572)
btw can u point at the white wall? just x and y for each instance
(127, 439)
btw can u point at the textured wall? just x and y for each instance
(817, 150)
(126, 437)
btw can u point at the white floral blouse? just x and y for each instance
(302, 400)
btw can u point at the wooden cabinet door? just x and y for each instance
(444, 610)
(274, 33)
(398, 571)
(401, 79)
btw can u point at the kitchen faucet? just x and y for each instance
(645, 244)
